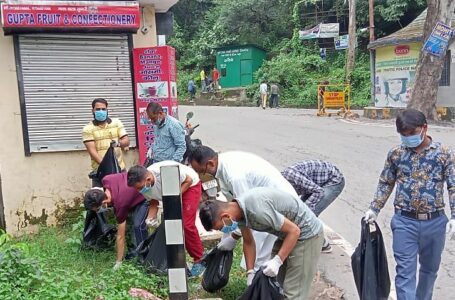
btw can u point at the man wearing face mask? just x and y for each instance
(169, 142)
(265, 209)
(238, 172)
(148, 183)
(124, 199)
(99, 133)
(418, 168)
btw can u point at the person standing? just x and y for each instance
(124, 199)
(238, 172)
(191, 89)
(148, 183)
(296, 252)
(216, 78)
(263, 91)
(274, 94)
(318, 183)
(169, 142)
(99, 133)
(203, 81)
(418, 169)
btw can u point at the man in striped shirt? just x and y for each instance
(318, 183)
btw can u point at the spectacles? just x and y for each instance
(100, 108)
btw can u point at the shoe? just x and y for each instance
(326, 247)
(197, 269)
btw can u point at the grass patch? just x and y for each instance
(49, 265)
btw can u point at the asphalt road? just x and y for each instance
(358, 148)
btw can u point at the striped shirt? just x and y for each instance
(169, 142)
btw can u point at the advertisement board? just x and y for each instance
(395, 74)
(154, 81)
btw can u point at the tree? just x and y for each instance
(350, 62)
(429, 67)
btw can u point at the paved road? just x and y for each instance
(358, 148)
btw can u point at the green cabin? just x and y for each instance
(237, 64)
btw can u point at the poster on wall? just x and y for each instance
(155, 81)
(395, 74)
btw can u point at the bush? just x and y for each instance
(298, 76)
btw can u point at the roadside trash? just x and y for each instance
(369, 264)
(98, 234)
(151, 252)
(218, 265)
(263, 288)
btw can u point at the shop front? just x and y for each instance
(55, 58)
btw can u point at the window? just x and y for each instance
(60, 75)
(445, 75)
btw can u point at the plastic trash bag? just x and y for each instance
(98, 234)
(109, 164)
(218, 265)
(151, 252)
(369, 265)
(263, 288)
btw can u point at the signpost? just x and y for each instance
(333, 96)
(438, 41)
(154, 81)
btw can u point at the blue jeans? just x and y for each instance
(140, 232)
(412, 238)
(331, 192)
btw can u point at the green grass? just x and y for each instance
(51, 266)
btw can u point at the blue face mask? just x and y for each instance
(412, 141)
(146, 191)
(158, 122)
(230, 228)
(101, 115)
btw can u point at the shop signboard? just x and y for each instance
(155, 81)
(98, 15)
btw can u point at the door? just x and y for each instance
(246, 72)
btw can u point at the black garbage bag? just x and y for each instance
(98, 234)
(263, 288)
(369, 265)
(151, 252)
(218, 265)
(109, 164)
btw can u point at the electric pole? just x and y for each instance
(351, 42)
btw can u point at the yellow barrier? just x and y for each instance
(334, 96)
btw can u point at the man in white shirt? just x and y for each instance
(238, 172)
(263, 90)
(148, 183)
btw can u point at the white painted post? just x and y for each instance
(173, 226)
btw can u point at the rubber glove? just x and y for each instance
(450, 229)
(117, 265)
(227, 244)
(249, 277)
(272, 266)
(370, 216)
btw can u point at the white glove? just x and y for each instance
(450, 229)
(227, 244)
(249, 277)
(370, 216)
(117, 265)
(152, 223)
(272, 266)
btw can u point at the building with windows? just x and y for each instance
(395, 62)
(55, 58)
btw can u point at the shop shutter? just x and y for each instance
(62, 74)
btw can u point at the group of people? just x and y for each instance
(276, 213)
(209, 83)
(274, 94)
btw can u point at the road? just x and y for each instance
(358, 148)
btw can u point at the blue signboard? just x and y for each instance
(438, 41)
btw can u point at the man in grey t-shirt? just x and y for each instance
(274, 91)
(300, 234)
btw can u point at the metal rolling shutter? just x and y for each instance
(62, 74)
